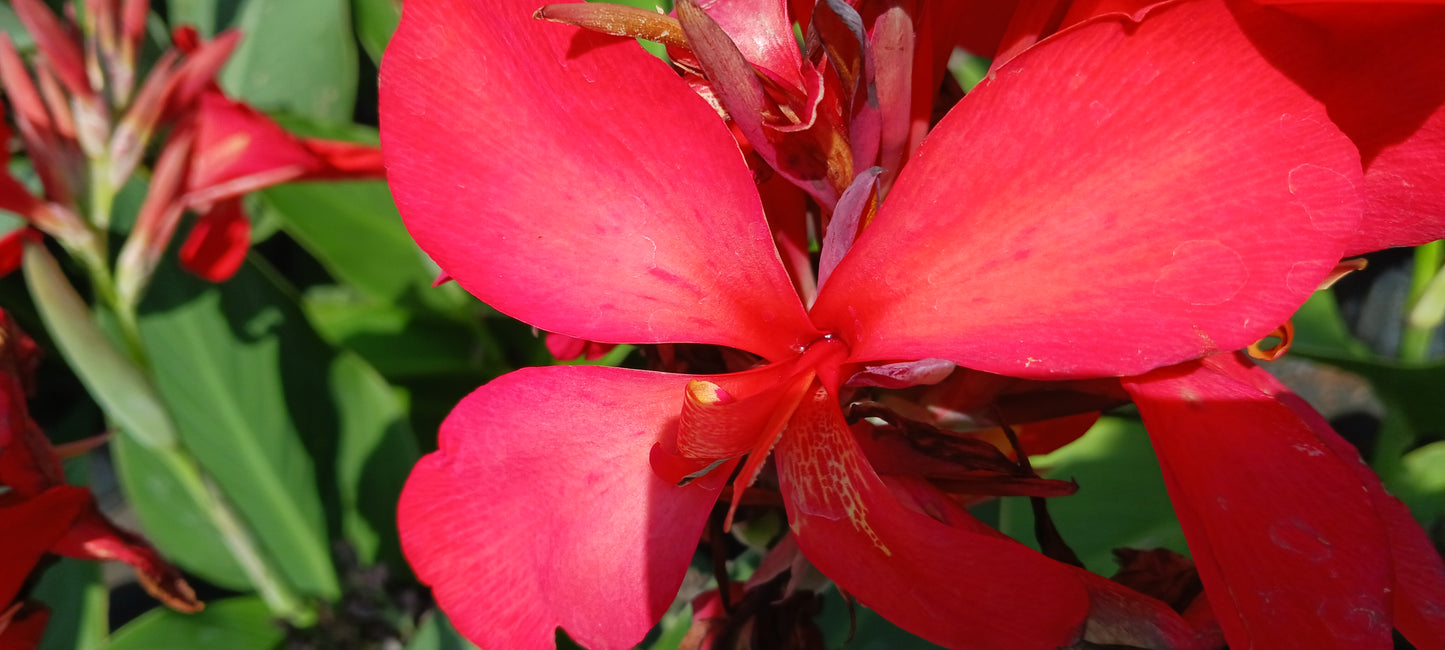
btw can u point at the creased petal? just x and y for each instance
(573, 181)
(954, 585)
(763, 33)
(1285, 535)
(1176, 212)
(541, 509)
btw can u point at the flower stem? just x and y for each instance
(273, 589)
(1425, 286)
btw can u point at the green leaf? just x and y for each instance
(171, 519)
(353, 229)
(78, 604)
(437, 633)
(375, 22)
(207, 16)
(231, 624)
(375, 453)
(295, 57)
(223, 357)
(403, 342)
(309, 443)
(1121, 500)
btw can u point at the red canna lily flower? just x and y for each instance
(41, 514)
(1085, 213)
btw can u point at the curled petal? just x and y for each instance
(636, 223)
(541, 509)
(763, 33)
(93, 537)
(1144, 231)
(959, 585)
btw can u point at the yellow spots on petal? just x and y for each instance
(825, 469)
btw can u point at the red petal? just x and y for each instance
(960, 585)
(541, 509)
(31, 527)
(239, 150)
(12, 247)
(1384, 91)
(60, 45)
(1284, 533)
(575, 182)
(763, 33)
(1096, 190)
(1418, 596)
(218, 242)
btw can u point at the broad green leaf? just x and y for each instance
(1121, 500)
(171, 519)
(224, 357)
(375, 453)
(375, 22)
(437, 633)
(353, 229)
(231, 624)
(78, 604)
(672, 629)
(310, 443)
(402, 342)
(207, 16)
(296, 57)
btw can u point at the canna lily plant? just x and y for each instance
(1128, 200)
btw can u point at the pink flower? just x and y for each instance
(1114, 201)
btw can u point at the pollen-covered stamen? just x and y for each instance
(1283, 336)
(617, 20)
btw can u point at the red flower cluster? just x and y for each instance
(1134, 193)
(85, 126)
